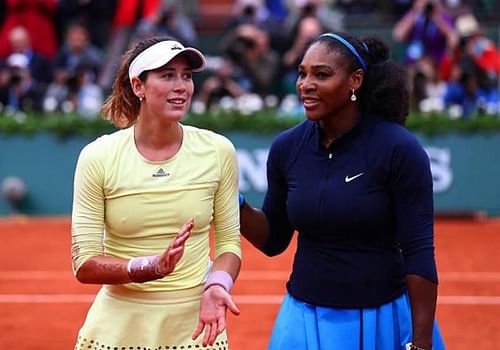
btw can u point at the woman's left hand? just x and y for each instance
(214, 303)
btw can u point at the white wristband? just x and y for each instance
(221, 278)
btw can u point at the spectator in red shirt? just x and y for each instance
(38, 17)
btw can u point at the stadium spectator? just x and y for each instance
(428, 90)
(471, 71)
(78, 93)
(427, 30)
(130, 16)
(77, 51)
(478, 46)
(471, 95)
(256, 64)
(252, 12)
(38, 17)
(96, 15)
(220, 84)
(307, 27)
(19, 92)
(330, 16)
(76, 67)
(256, 13)
(170, 21)
(39, 66)
(428, 33)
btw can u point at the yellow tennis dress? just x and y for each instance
(126, 206)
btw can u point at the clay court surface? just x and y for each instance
(42, 306)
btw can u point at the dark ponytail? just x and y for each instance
(385, 90)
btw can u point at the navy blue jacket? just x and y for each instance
(363, 210)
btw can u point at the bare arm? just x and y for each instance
(446, 28)
(423, 295)
(403, 27)
(228, 262)
(104, 270)
(234, 88)
(253, 225)
(112, 270)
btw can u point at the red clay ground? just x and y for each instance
(42, 306)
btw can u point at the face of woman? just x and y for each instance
(169, 89)
(323, 83)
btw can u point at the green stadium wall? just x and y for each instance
(465, 167)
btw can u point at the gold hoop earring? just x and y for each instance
(353, 96)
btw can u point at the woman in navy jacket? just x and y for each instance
(357, 188)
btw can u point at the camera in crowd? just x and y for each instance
(237, 47)
(15, 76)
(309, 9)
(16, 68)
(249, 11)
(429, 8)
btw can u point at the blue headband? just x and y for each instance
(349, 46)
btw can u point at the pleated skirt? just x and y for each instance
(124, 319)
(302, 326)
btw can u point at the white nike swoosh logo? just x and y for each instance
(349, 179)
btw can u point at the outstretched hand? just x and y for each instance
(214, 303)
(175, 250)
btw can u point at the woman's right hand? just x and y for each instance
(215, 301)
(175, 250)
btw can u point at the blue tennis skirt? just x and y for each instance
(302, 326)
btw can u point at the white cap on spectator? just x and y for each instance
(163, 52)
(18, 60)
(467, 25)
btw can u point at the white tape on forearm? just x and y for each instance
(144, 268)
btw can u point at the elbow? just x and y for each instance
(261, 246)
(271, 251)
(85, 272)
(415, 278)
(272, 254)
(77, 271)
(82, 277)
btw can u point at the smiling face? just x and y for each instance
(324, 85)
(167, 91)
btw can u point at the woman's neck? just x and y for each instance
(158, 141)
(336, 126)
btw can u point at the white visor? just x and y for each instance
(161, 53)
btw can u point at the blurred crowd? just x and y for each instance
(61, 55)
(454, 66)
